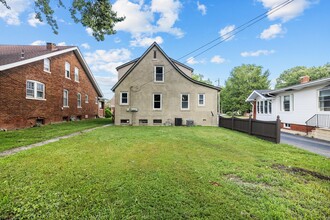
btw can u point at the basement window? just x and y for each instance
(124, 121)
(157, 121)
(287, 125)
(143, 122)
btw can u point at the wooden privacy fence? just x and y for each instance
(267, 130)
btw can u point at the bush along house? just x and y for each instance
(45, 84)
(157, 90)
(303, 108)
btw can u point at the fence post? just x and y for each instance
(232, 122)
(278, 130)
(219, 121)
(250, 125)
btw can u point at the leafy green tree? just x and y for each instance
(292, 76)
(200, 77)
(95, 14)
(108, 113)
(241, 82)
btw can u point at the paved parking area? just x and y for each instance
(313, 145)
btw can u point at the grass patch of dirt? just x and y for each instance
(301, 171)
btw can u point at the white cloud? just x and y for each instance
(201, 8)
(272, 32)
(33, 21)
(107, 61)
(217, 59)
(257, 53)
(192, 61)
(39, 42)
(288, 12)
(106, 80)
(89, 31)
(85, 46)
(145, 41)
(226, 33)
(11, 16)
(61, 44)
(140, 18)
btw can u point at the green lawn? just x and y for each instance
(17, 138)
(164, 173)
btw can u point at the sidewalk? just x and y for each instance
(27, 147)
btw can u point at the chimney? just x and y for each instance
(22, 54)
(304, 79)
(51, 46)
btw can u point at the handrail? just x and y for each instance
(319, 120)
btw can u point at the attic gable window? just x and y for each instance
(47, 65)
(35, 90)
(159, 74)
(76, 74)
(67, 70)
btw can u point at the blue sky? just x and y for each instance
(296, 35)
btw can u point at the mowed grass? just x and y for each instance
(164, 173)
(22, 137)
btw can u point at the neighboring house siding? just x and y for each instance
(16, 111)
(141, 87)
(305, 105)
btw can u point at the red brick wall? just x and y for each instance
(18, 112)
(301, 128)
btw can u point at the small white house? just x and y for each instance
(301, 107)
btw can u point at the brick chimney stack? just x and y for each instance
(304, 79)
(51, 46)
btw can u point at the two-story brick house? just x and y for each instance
(44, 84)
(155, 90)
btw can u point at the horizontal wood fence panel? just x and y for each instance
(267, 130)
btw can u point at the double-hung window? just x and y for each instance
(286, 103)
(324, 100)
(79, 100)
(124, 98)
(76, 74)
(47, 65)
(35, 90)
(86, 98)
(65, 98)
(201, 99)
(184, 101)
(264, 107)
(159, 74)
(157, 103)
(67, 70)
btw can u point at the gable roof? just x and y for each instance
(11, 56)
(266, 94)
(171, 61)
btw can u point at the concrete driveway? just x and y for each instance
(313, 145)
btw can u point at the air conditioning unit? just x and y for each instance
(189, 123)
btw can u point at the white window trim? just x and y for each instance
(86, 98)
(203, 99)
(35, 90)
(76, 74)
(67, 98)
(79, 100)
(67, 64)
(156, 81)
(258, 107)
(291, 98)
(96, 101)
(185, 109)
(45, 70)
(121, 93)
(161, 101)
(318, 98)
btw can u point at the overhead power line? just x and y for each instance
(235, 31)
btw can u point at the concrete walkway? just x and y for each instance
(313, 145)
(19, 149)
